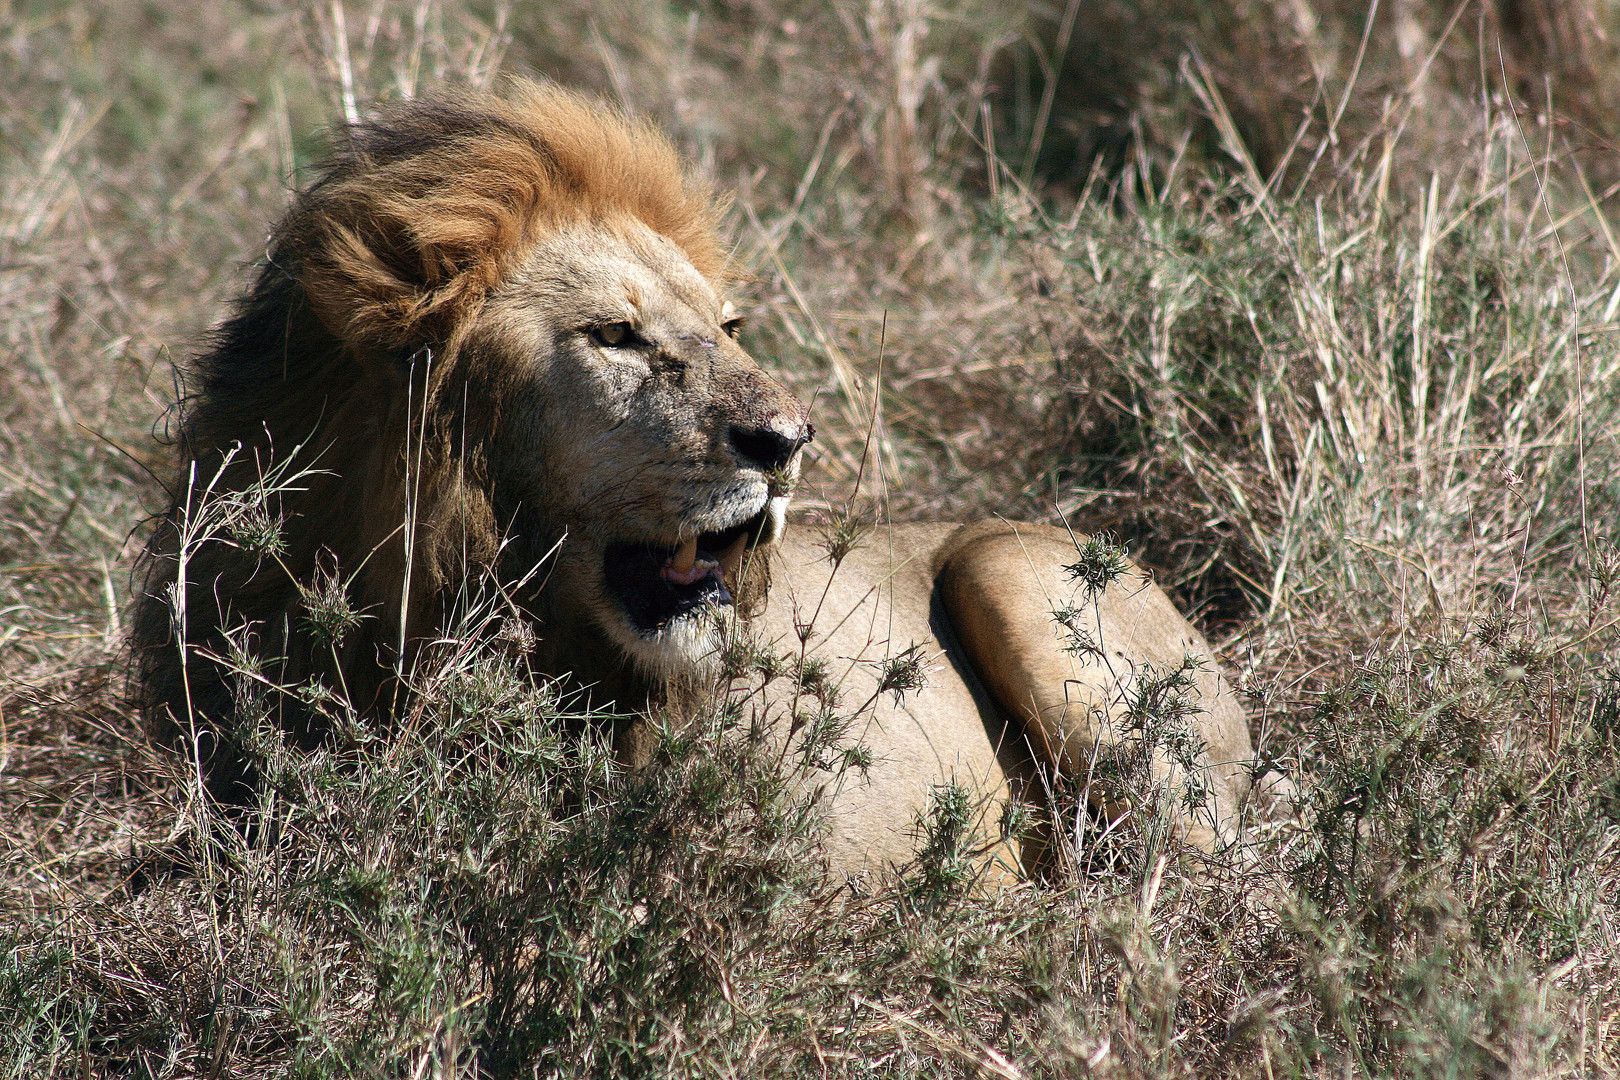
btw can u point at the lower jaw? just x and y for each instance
(712, 602)
(650, 604)
(685, 647)
(654, 595)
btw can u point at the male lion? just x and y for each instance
(492, 340)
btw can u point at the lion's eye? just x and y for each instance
(613, 335)
(733, 327)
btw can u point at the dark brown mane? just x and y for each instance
(331, 395)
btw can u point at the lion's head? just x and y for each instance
(490, 340)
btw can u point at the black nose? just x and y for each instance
(767, 447)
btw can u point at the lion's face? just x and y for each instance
(637, 435)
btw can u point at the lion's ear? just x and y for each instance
(391, 269)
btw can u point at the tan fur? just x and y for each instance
(1006, 710)
(493, 337)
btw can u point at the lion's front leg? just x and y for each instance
(1107, 678)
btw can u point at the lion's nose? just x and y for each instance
(767, 446)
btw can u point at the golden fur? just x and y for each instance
(406, 235)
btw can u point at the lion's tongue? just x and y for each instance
(685, 568)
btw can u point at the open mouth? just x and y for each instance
(658, 583)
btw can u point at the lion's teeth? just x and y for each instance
(731, 559)
(685, 556)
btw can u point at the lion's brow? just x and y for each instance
(674, 273)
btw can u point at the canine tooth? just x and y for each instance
(731, 559)
(685, 556)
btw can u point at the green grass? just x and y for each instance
(1357, 416)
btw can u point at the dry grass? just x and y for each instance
(1324, 334)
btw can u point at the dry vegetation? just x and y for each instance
(1318, 316)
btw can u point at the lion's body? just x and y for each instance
(490, 345)
(878, 603)
(975, 602)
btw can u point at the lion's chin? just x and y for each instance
(683, 648)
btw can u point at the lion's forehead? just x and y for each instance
(605, 271)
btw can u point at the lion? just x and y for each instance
(492, 340)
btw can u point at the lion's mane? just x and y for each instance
(339, 384)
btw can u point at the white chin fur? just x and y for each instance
(686, 646)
